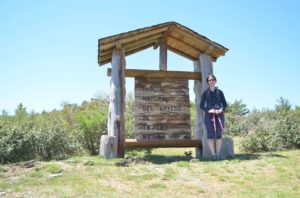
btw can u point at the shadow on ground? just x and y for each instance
(161, 159)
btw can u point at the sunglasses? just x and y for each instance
(212, 80)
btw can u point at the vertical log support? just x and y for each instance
(163, 54)
(116, 124)
(198, 93)
(206, 68)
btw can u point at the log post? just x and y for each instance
(163, 54)
(206, 68)
(199, 123)
(115, 123)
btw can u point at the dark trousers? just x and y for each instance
(208, 121)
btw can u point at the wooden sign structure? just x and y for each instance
(162, 109)
(162, 97)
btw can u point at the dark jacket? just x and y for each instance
(213, 100)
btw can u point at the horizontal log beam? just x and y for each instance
(131, 46)
(159, 74)
(133, 143)
(106, 45)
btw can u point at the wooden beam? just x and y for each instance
(132, 46)
(133, 143)
(159, 74)
(199, 113)
(139, 49)
(181, 53)
(206, 68)
(128, 51)
(163, 54)
(141, 45)
(203, 41)
(189, 48)
(131, 38)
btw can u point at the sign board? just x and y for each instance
(162, 109)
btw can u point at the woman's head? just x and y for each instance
(211, 80)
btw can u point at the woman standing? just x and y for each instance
(213, 103)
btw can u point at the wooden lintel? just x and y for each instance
(159, 74)
(133, 143)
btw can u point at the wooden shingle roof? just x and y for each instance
(180, 39)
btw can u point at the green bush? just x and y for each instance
(129, 117)
(29, 139)
(274, 131)
(53, 140)
(92, 124)
(286, 134)
(16, 141)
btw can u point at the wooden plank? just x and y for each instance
(107, 58)
(184, 46)
(163, 54)
(134, 45)
(159, 74)
(131, 38)
(133, 143)
(176, 51)
(203, 42)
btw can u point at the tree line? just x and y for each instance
(76, 129)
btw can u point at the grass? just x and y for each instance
(163, 173)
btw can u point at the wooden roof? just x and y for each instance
(180, 39)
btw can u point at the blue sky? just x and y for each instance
(48, 49)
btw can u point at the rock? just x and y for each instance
(227, 149)
(56, 175)
(123, 163)
(130, 160)
(2, 193)
(72, 161)
(108, 146)
(29, 164)
(89, 163)
(194, 160)
(13, 178)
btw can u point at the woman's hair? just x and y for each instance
(210, 75)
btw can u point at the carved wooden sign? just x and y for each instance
(162, 108)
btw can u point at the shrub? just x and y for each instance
(274, 131)
(53, 140)
(92, 125)
(16, 141)
(25, 140)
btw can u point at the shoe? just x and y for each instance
(220, 158)
(214, 158)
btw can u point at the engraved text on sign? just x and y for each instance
(162, 108)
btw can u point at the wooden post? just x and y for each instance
(116, 124)
(199, 122)
(163, 54)
(206, 68)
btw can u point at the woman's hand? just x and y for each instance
(219, 111)
(212, 111)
